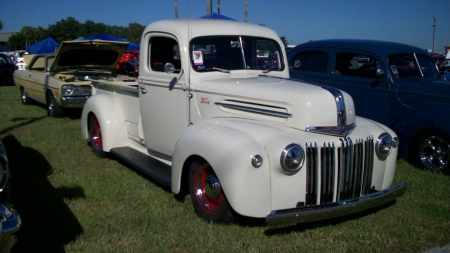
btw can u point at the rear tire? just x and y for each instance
(53, 108)
(207, 195)
(24, 96)
(95, 134)
(431, 150)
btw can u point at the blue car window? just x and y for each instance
(349, 64)
(313, 61)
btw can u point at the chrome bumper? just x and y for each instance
(10, 221)
(73, 102)
(335, 209)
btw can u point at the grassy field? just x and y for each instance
(72, 201)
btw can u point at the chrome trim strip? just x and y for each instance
(340, 105)
(255, 110)
(335, 209)
(332, 130)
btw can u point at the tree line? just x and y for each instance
(70, 29)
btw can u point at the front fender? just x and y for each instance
(229, 153)
(110, 116)
(409, 125)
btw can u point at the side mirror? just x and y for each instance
(297, 64)
(169, 68)
(380, 73)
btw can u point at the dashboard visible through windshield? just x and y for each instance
(225, 53)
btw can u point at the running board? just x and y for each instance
(151, 167)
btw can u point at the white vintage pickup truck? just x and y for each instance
(213, 113)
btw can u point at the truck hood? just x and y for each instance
(296, 104)
(88, 54)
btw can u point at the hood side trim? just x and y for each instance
(255, 110)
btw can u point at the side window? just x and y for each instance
(358, 65)
(2, 60)
(163, 50)
(313, 61)
(38, 64)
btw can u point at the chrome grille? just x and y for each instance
(334, 174)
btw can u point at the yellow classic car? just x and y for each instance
(62, 80)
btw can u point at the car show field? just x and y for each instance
(72, 201)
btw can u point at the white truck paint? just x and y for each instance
(213, 111)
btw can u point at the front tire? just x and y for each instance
(95, 133)
(207, 195)
(53, 108)
(431, 150)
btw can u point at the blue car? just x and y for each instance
(395, 84)
(7, 68)
(10, 221)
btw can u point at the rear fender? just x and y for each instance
(408, 126)
(110, 116)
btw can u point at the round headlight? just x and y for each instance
(292, 158)
(383, 145)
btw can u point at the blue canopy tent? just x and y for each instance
(215, 15)
(47, 45)
(102, 36)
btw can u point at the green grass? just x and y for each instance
(72, 201)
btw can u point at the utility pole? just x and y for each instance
(176, 9)
(208, 7)
(434, 30)
(246, 11)
(218, 6)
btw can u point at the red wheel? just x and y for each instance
(96, 137)
(207, 195)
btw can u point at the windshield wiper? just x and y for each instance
(269, 69)
(219, 69)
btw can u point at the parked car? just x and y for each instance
(10, 221)
(62, 80)
(7, 68)
(395, 84)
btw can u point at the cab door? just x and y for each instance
(38, 78)
(163, 96)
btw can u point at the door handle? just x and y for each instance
(143, 90)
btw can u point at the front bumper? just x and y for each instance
(335, 209)
(73, 102)
(9, 219)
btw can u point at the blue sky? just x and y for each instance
(405, 21)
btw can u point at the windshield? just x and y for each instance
(225, 53)
(412, 65)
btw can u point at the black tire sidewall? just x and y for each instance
(414, 155)
(98, 152)
(223, 213)
(57, 110)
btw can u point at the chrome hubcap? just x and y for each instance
(434, 153)
(207, 188)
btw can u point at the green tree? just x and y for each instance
(285, 42)
(70, 29)
(65, 29)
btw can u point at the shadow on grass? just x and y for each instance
(23, 122)
(47, 222)
(71, 113)
(324, 223)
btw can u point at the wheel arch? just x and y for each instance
(246, 188)
(411, 126)
(111, 119)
